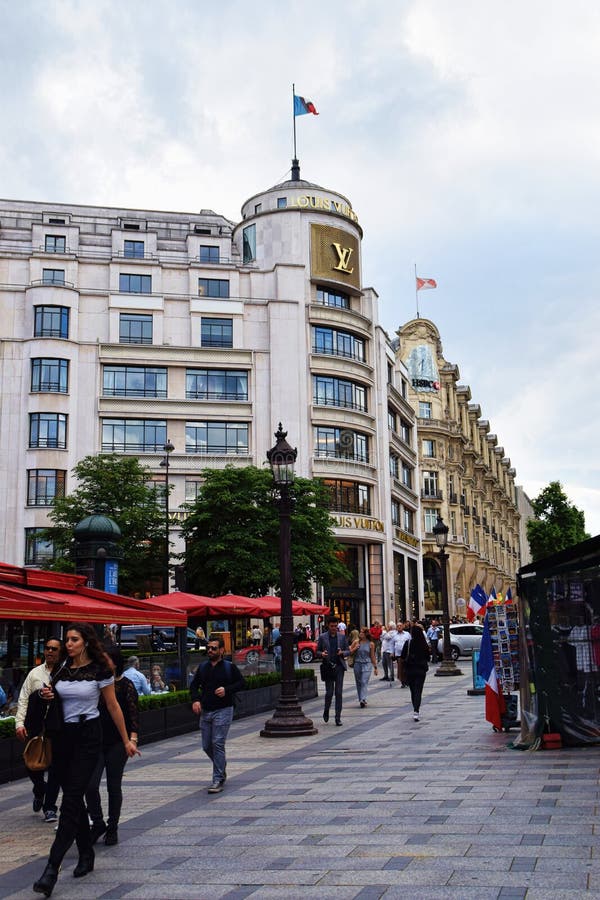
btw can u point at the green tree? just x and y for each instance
(232, 535)
(118, 487)
(558, 524)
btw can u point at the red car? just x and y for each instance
(251, 655)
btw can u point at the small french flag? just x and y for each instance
(302, 107)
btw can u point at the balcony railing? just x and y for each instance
(135, 392)
(216, 395)
(357, 354)
(341, 403)
(431, 495)
(343, 456)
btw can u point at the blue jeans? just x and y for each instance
(362, 673)
(214, 726)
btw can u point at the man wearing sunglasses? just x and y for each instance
(28, 724)
(212, 692)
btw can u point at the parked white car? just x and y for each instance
(463, 640)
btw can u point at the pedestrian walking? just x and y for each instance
(212, 692)
(415, 654)
(29, 721)
(402, 636)
(365, 662)
(112, 756)
(79, 681)
(332, 648)
(433, 636)
(387, 651)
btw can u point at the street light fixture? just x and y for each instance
(168, 448)
(288, 719)
(448, 666)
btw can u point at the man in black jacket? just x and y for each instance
(332, 648)
(212, 692)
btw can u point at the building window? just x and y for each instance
(51, 322)
(328, 391)
(406, 432)
(213, 287)
(249, 243)
(216, 437)
(341, 443)
(453, 532)
(133, 250)
(257, 208)
(53, 276)
(466, 532)
(430, 516)
(424, 409)
(47, 430)
(394, 465)
(338, 343)
(50, 376)
(134, 381)
(135, 328)
(216, 384)
(281, 202)
(407, 476)
(392, 422)
(216, 333)
(55, 243)
(428, 448)
(135, 284)
(395, 513)
(348, 496)
(43, 485)
(209, 253)
(38, 549)
(193, 489)
(331, 298)
(133, 435)
(404, 390)
(408, 520)
(430, 484)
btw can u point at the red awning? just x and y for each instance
(272, 606)
(196, 605)
(57, 597)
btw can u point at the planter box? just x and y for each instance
(12, 766)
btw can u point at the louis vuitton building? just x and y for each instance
(120, 329)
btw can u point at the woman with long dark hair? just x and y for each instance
(113, 755)
(83, 675)
(415, 655)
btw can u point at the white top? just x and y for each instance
(80, 698)
(387, 641)
(400, 640)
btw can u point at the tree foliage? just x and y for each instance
(118, 487)
(558, 524)
(232, 535)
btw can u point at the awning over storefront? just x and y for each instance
(35, 594)
(198, 606)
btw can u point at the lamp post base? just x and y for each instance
(447, 667)
(288, 720)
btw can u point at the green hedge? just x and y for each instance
(7, 728)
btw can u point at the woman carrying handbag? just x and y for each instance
(363, 650)
(87, 674)
(415, 654)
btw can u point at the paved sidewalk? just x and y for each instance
(382, 807)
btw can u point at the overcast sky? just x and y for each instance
(464, 132)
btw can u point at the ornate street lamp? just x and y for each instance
(168, 448)
(288, 719)
(448, 666)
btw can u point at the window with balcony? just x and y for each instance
(213, 287)
(424, 409)
(135, 328)
(133, 435)
(50, 376)
(407, 476)
(133, 249)
(332, 342)
(38, 549)
(408, 520)
(129, 283)
(47, 430)
(55, 243)
(249, 243)
(53, 277)
(430, 518)
(329, 391)
(341, 443)
(43, 485)
(219, 438)
(51, 322)
(430, 484)
(209, 253)
(333, 298)
(216, 384)
(216, 332)
(348, 496)
(134, 381)
(428, 448)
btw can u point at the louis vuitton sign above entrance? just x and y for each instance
(334, 255)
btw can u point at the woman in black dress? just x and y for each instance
(79, 680)
(415, 655)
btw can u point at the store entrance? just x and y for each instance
(349, 611)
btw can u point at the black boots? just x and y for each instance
(85, 864)
(96, 831)
(111, 837)
(45, 884)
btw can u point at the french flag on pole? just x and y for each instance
(302, 107)
(494, 701)
(477, 602)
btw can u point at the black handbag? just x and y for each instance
(328, 670)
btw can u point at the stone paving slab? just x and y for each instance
(381, 808)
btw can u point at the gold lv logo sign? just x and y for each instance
(344, 254)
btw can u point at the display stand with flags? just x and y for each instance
(498, 663)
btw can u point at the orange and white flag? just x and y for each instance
(426, 284)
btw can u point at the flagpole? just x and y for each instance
(294, 117)
(416, 291)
